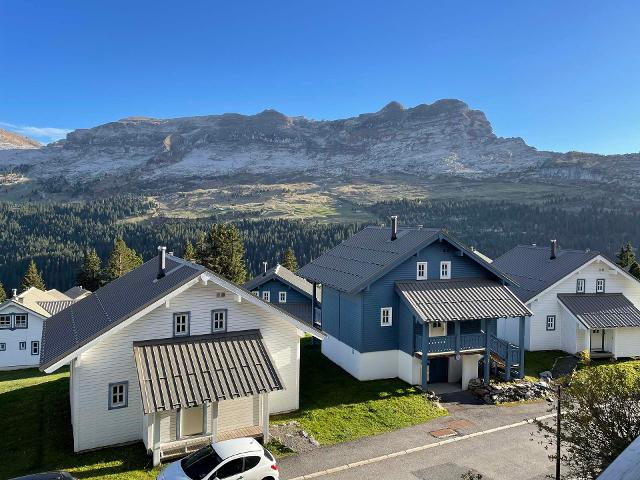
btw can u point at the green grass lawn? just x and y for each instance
(538, 362)
(335, 407)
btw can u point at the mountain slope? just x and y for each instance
(12, 141)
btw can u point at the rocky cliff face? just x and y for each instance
(444, 138)
(13, 141)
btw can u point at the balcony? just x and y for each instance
(447, 343)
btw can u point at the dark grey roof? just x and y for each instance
(370, 253)
(56, 306)
(93, 315)
(465, 299)
(533, 270)
(601, 310)
(186, 372)
(75, 292)
(299, 310)
(284, 275)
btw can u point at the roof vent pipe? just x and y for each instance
(554, 249)
(162, 261)
(394, 227)
(264, 268)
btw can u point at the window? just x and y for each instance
(5, 321)
(266, 296)
(20, 320)
(118, 395)
(421, 271)
(229, 469)
(3, 347)
(580, 285)
(251, 462)
(385, 316)
(219, 320)
(35, 348)
(600, 285)
(445, 270)
(282, 297)
(22, 345)
(551, 322)
(221, 294)
(181, 324)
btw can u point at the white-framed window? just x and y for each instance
(22, 345)
(3, 347)
(551, 322)
(20, 320)
(421, 271)
(181, 324)
(386, 316)
(282, 297)
(266, 296)
(118, 395)
(35, 348)
(218, 320)
(581, 285)
(5, 321)
(445, 270)
(600, 285)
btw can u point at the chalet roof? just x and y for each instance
(284, 275)
(463, 299)
(533, 269)
(76, 292)
(602, 310)
(53, 307)
(370, 253)
(189, 371)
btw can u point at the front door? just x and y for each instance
(192, 421)
(597, 340)
(439, 370)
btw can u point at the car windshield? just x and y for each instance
(200, 464)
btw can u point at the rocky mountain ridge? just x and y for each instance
(13, 141)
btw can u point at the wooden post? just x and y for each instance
(425, 355)
(521, 340)
(457, 329)
(487, 353)
(205, 418)
(178, 430)
(156, 439)
(313, 311)
(214, 421)
(265, 418)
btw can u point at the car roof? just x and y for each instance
(237, 446)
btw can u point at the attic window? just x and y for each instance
(5, 321)
(580, 285)
(266, 296)
(282, 297)
(21, 320)
(600, 285)
(421, 271)
(180, 324)
(445, 270)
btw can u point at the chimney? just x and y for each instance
(264, 268)
(162, 261)
(554, 249)
(14, 292)
(394, 227)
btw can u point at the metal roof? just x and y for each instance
(77, 291)
(601, 310)
(56, 306)
(111, 304)
(186, 372)
(533, 269)
(284, 275)
(464, 299)
(299, 310)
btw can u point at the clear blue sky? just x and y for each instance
(563, 75)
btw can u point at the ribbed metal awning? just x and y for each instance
(602, 310)
(464, 299)
(190, 371)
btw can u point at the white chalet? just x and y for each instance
(581, 301)
(175, 356)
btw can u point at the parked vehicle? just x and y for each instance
(242, 458)
(47, 476)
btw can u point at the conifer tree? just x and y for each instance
(122, 260)
(3, 294)
(90, 274)
(189, 252)
(289, 260)
(32, 278)
(222, 252)
(635, 270)
(626, 255)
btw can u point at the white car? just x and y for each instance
(242, 458)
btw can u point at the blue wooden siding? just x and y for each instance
(276, 286)
(342, 316)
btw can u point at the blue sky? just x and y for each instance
(564, 75)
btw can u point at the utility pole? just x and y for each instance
(558, 435)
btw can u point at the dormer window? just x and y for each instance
(581, 285)
(181, 324)
(445, 270)
(600, 285)
(421, 271)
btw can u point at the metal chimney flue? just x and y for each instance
(264, 268)
(162, 261)
(14, 292)
(554, 249)
(394, 227)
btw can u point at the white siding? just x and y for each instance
(627, 342)
(13, 357)
(111, 360)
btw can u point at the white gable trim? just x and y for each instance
(12, 302)
(204, 278)
(597, 258)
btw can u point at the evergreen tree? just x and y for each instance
(32, 278)
(289, 260)
(626, 255)
(122, 260)
(634, 270)
(189, 252)
(90, 274)
(222, 252)
(3, 294)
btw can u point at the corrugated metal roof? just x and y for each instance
(533, 269)
(299, 310)
(186, 372)
(56, 306)
(464, 299)
(77, 291)
(602, 310)
(286, 276)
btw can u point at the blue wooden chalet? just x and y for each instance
(417, 304)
